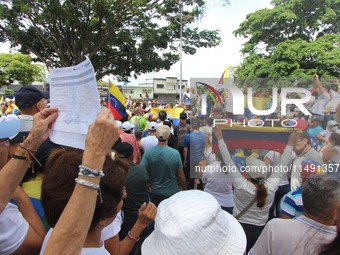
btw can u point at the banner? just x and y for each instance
(240, 137)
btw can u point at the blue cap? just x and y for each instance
(28, 96)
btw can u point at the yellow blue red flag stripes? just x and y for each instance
(224, 76)
(116, 102)
(240, 137)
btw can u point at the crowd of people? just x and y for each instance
(145, 185)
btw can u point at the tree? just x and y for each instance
(294, 39)
(120, 37)
(19, 67)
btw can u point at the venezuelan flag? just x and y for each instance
(116, 102)
(240, 137)
(224, 77)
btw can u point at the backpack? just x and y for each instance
(181, 132)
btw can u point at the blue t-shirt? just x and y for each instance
(314, 131)
(162, 163)
(195, 142)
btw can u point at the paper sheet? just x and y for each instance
(73, 90)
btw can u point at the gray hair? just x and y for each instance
(320, 194)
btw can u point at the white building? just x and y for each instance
(167, 89)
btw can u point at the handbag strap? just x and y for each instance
(246, 208)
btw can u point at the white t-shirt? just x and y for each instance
(219, 185)
(13, 229)
(149, 142)
(112, 229)
(327, 133)
(109, 231)
(335, 100)
(206, 129)
(275, 157)
(320, 103)
(84, 251)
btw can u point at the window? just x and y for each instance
(160, 86)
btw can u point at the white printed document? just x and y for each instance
(73, 90)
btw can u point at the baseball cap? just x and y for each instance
(28, 96)
(257, 168)
(26, 123)
(9, 126)
(195, 123)
(332, 123)
(163, 133)
(153, 126)
(118, 123)
(127, 126)
(124, 149)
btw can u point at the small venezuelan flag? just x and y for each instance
(116, 102)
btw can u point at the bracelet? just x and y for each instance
(19, 157)
(90, 185)
(132, 238)
(30, 155)
(31, 151)
(86, 171)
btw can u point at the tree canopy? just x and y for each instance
(19, 67)
(294, 39)
(120, 37)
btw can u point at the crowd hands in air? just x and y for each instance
(134, 189)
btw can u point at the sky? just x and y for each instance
(211, 62)
(208, 62)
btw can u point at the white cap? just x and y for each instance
(9, 126)
(332, 123)
(257, 168)
(193, 223)
(153, 126)
(127, 126)
(119, 123)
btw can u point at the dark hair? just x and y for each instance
(305, 135)
(261, 194)
(59, 182)
(162, 115)
(210, 121)
(336, 138)
(247, 152)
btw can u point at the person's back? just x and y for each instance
(162, 163)
(219, 185)
(307, 233)
(297, 236)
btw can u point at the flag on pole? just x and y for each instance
(116, 102)
(224, 77)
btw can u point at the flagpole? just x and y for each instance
(108, 94)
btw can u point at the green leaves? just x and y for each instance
(121, 37)
(299, 37)
(18, 67)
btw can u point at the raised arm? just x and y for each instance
(234, 174)
(70, 232)
(13, 172)
(317, 84)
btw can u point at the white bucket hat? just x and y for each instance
(193, 223)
